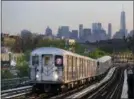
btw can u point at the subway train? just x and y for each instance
(55, 69)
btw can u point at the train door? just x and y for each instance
(34, 68)
(47, 67)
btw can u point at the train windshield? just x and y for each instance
(35, 60)
(48, 60)
(58, 60)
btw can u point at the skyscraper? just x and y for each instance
(48, 31)
(123, 31)
(99, 26)
(109, 31)
(74, 34)
(96, 26)
(80, 31)
(64, 32)
(123, 24)
(86, 32)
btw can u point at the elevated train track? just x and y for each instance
(92, 90)
(72, 70)
(91, 85)
(15, 92)
(110, 88)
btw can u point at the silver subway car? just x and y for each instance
(46, 65)
(56, 69)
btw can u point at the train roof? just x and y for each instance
(104, 58)
(54, 50)
(47, 50)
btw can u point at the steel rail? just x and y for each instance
(87, 90)
(12, 93)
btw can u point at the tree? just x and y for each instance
(80, 49)
(22, 67)
(6, 74)
(26, 41)
(97, 53)
(130, 43)
(27, 55)
(17, 46)
(9, 42)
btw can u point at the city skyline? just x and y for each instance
(16, 17)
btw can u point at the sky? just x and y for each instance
(37, 15)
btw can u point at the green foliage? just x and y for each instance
(107, 49)
(22, 66)
(79, 49)
(27, 55)
(130, 43)
(97, 54)
(6, 74)
(9, 42)
(61, 44)
(51, 43)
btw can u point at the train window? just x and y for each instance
(35, 60)
(58, 60)
(47, 60)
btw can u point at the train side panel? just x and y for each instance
(78, 68)
(103, 64)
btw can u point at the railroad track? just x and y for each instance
(110, 90)
(21, 91)
(16, 92)
(91, 89)
(61, 96)
(78, 93)
(64, 94)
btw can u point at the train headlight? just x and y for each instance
(56, 76)
(37, 76)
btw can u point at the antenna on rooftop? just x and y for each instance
(122, 7)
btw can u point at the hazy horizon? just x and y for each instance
(37, 15)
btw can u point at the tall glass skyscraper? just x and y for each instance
(123, 23)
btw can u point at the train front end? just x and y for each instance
(46, 70)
